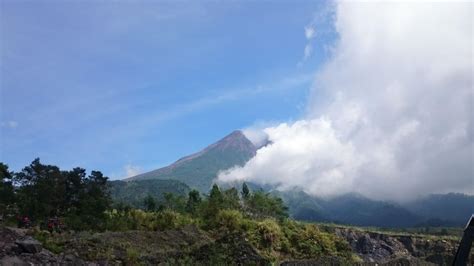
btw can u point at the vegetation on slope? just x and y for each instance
(230, 224)
(135, 193)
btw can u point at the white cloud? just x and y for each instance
(10, 124)
(131, 170)
(309, 32)
(398, 122)
(307, 52)
(256, 135)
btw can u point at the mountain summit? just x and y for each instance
(198, 170)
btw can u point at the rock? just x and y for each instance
(71, 259)
(374, 247)
(12, 260)
(29, 245)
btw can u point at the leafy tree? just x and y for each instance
(7, 194)
(45, 191)
(94, 199)
(174, 202)
(215, 196)
(230, 199)
(41, 193)
(150, 203)
(262, 205)
(194, 199)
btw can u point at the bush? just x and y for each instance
(269, 233)
(132, 256)
(48, 241)
(230, 220)
(169, 219)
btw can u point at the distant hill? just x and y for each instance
(350, 208)
(134, 192)
(444, 208)
(451, 209)
(200, 169)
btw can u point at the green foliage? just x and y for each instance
(230, 221)
(136, 219)
(133, 193)
(230, 199)
(150, 203)
(245, 191)
(256, 221)
(48, 242)
(132, 256)
(45, 191)
(7, 194)
(194, 199)
(307, 241)
(269, 233)
(261, 205)
(174, 202)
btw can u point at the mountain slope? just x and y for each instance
(351, 209)
(134, 192)
(453, 208)
(200, 169)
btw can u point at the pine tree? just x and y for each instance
(245, 191)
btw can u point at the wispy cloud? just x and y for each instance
(131, 170)
(9, 124)
(316, 29)
(308, 49)
(309, 32)
(229, 95)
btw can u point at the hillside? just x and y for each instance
(351, 209)
(134, 192)
(450, 210)
(200, 169)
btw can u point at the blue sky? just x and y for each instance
(109, 85)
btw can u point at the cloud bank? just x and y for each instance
(396, 119)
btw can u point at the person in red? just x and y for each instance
(50, 225)
(24, 221)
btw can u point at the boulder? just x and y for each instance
(12, 260)
(29, 245)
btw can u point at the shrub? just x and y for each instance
(230, 220)
(132, 256)
(270, 233)
(169, 219)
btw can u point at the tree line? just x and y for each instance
(41, 191)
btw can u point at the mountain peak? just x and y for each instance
(236, 141)
(198, 170)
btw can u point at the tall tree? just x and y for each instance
(150, 203)
(7, 194)
(230, 198)
(194, 199)
(41, 193)
(245, 191)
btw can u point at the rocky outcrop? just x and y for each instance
(29, 245)
(17, 248)
(384, 248)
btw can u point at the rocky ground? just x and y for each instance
(192, 246)
(386, 247)
(18, 248)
